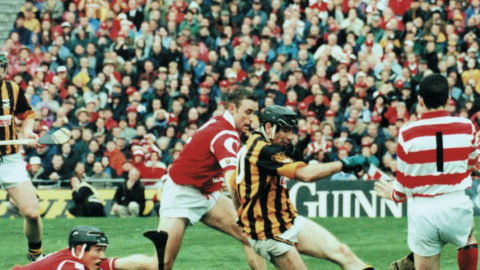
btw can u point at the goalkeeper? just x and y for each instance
(267, 216)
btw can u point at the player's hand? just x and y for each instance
(354, 163)
(33, 136)
(384, 189)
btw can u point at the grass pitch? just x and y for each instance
(377, 241)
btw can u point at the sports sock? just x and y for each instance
(411, 256)
(467, 257)
(34, 249)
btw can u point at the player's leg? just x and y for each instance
(427, 263)
(316, 241)
(120, 210)
(405, 263)
(467, 255)
(26, 200)
(290, 260)
(175, 227)
(224, 218)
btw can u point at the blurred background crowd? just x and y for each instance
(134, 79)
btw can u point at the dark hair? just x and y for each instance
(237, 95)
(434, 90)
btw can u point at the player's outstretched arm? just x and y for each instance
(317, 171)
(135, 262)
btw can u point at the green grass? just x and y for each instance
(377, 241)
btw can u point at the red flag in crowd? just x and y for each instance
(374, 173)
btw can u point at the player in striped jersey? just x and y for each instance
(435, 158)
(267, 215)
(13, 174)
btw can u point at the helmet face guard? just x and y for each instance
(288, 124)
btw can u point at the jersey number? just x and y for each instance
(439, 137)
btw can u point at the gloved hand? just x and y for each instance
(354, 163)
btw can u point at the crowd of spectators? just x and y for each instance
(134, 79)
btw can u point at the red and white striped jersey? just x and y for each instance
(211, 151)
(435, 156)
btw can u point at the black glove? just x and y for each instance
(354, 163)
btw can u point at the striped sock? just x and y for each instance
(34, 249)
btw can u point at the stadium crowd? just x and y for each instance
(134, 79)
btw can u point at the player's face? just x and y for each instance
(283, 137)
(245, 114)
(94, 257)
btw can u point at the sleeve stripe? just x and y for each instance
(220, 134)
(398, 196)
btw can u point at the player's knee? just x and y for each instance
(31, 214)
(346, 255)
(134, 208)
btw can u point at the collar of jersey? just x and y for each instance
(434, 114)
(229, 117)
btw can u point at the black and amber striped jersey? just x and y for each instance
(265, 210)
(13, 104)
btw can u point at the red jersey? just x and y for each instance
(211, 151)
(435, 156)
(63, 260)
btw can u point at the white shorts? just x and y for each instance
(434, 222)
(13, 171)
(276, 247)
(181, 201)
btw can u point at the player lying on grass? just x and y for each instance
(86, 251)
(267, 215)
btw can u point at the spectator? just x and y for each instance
(35, 168)
(130, 196)
(154, 168)
(85, 200)
(57, 173)
(98, 172)
(116, 157)
(70, 158)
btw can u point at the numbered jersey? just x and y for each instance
(265, 208)
(211, 151)
(435, 156)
